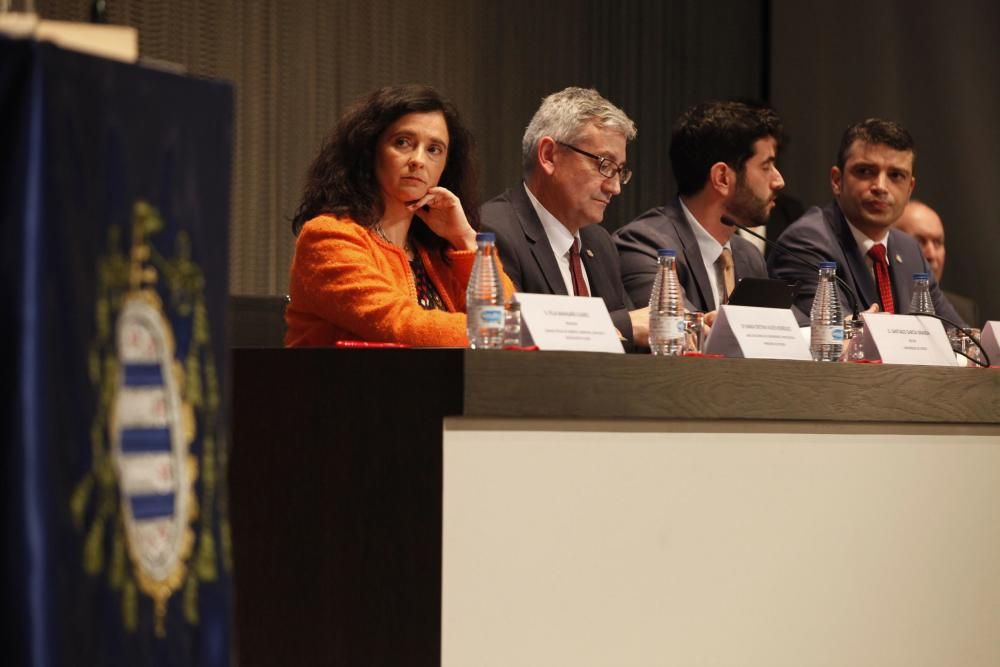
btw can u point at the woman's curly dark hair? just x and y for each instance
(341, 180)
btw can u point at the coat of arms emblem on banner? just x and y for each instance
(154, 406)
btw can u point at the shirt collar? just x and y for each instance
(709, 247)
(865, 243)
(559, 237)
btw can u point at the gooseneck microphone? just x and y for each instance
(729, 222)
(985, 363)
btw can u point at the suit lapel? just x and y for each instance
(856, 267)
(596, 274)
(743, 265)
(537, 240)
(901, 272)
(695, 263)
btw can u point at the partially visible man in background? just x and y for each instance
(924, 224)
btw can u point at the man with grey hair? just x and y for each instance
(547, 228)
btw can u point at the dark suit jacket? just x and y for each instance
(666, 227)
(966, 308)
(822, 234)
(530, 263)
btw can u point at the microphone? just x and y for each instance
(986, 358)
(729, 222)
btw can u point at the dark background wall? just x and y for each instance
(933, 66)
(651, 58)
(296, 65)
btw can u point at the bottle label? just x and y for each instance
(490, 316)
(827, 335)
(667, 327)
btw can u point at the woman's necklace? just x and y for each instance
(406, 244)
(427, 294)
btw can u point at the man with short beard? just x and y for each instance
(723, 157)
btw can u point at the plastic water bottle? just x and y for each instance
(826, 318)
(666, 314)
(921, 302)
(484, 298)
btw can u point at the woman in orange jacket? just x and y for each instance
(385, 228)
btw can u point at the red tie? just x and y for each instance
(576, 270)
(877, 253)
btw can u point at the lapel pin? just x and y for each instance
(590, 253)
(899, 260)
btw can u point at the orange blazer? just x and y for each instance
(347, 283)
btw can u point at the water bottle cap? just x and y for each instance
(486, 237)
(828, 265)
(666, 252)
(921, 276)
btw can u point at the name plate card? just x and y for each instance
(575, 323)
(757, 333)
(906, 339)
(990, 338)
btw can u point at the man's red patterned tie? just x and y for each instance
(877, 253)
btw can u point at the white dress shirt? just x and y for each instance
(865, 244)
(561, 241)
(710, 251)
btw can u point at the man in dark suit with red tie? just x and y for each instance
(548, 227)
(872, 182)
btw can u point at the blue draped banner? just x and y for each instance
(114, 210)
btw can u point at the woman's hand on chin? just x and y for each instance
(442, 212)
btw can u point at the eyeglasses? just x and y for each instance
(608, 167)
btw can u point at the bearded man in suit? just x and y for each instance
(723, 156)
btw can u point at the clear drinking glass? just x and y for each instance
(961, 342)
(694, 333)
(512, 325)
(854, 340)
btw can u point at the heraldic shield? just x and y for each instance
(115, 209)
